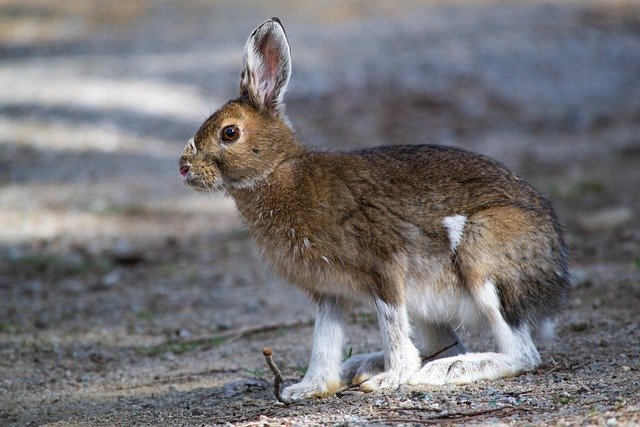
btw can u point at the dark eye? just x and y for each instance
(230, 133)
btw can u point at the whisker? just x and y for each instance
(218, 204)
(199, 110)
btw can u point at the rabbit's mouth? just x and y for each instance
(200, 184)
(197, 182)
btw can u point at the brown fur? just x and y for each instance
(326, 220)
(369, 225)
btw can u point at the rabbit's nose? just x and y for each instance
(184, 170)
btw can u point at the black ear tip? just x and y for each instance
(277, 21)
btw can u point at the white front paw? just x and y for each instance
(386, 380)
(306, 389)
(391, 379)
(359, 368)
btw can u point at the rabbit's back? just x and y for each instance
(450, 179)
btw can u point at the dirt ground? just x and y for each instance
(126, 298)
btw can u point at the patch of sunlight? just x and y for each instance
(64, 136)
(107, 210)
(153, 98)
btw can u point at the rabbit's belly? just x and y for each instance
(443, 306)
(435, 295)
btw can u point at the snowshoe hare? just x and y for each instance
(436, 238)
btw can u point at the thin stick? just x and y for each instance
(245, 331)
(584, 387)
(450, 416)
(278, 379)
(555, 368)
(436, 354)
(251, 330)
(582, 365)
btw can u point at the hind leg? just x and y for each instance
(516, 351)
(434, 337)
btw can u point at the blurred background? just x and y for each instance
(108, 262)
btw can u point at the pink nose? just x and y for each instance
(184, 170)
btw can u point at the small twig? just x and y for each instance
(244, 332)
(278, 379)
(569, 367)
(555, 368)
(405, 420)
(451, 416)
(581, 365)
(584, 387)
(251, 330)
(436, 354)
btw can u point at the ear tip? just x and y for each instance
(268, 25)
(276, 21)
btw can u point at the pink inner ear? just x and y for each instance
(272, 57)
(270, 62)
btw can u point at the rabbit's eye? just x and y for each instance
(230, 133)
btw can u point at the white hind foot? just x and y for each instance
(467, 368)
(361, 367)
(517, 353)
(520, 355)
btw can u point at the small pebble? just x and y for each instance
(111, 279)
(183, 333)
(123, 252)
(168, 356)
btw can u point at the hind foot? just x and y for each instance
(468, 368)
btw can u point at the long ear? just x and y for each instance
(266, 67)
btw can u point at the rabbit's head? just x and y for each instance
(245, 140)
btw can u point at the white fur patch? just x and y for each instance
(435, 296)
(455, 227)
(323, 374)
(245, 184)
(192, 146)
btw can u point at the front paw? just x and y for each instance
(387, 380)
(359, 368)
(307, 389)
(391, 379)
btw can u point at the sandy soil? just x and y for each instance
(127, 299)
